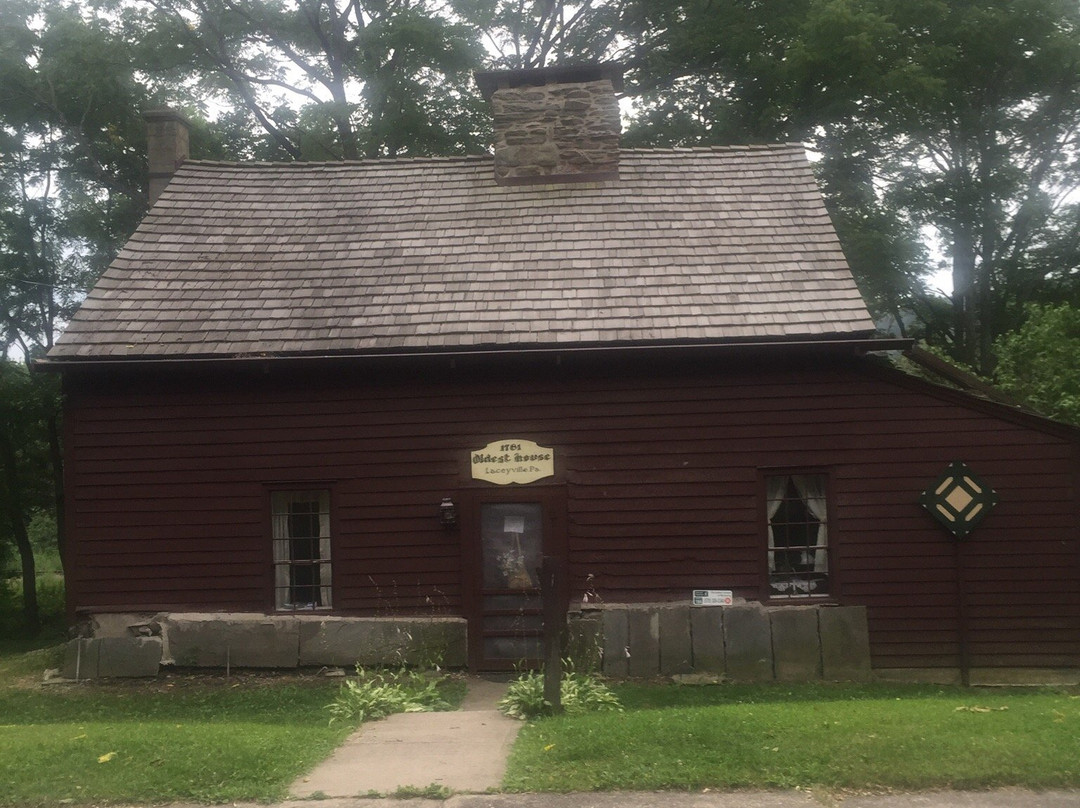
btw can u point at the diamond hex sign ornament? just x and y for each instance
(959, 499)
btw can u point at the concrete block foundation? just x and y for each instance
(744, 642)
(101, 657)
(138, 644)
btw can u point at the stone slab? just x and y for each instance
(845, 643)
(748, 642)
(129, 657)
(80, 659)
(416, 641)
(616, 643)
(643, 630)
(585, 641)
(707, 634)
(231, 640)
(97, 657)
(796, 644)
(675, 649)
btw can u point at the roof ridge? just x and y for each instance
(335, 163)
(739, 147)
(467, 158)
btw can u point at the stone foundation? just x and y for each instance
(744, 642)
(135, 645)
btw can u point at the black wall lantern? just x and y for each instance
(448, 513)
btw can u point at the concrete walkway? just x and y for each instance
(464, 751)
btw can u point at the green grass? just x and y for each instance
(783, 736)
(202, 739)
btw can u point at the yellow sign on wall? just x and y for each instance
(512, 461)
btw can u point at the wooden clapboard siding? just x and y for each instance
(169, 479)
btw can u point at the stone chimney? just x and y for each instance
(167, 147)
(555, 124)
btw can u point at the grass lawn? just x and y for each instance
(178, 738)
(832, 736)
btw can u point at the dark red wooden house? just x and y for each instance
(321, 412)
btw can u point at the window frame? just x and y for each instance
(832, 576)
(326, 585)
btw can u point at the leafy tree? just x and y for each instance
(71, 176)
(1039, 363)
(71, 190)
(957, 116)
(25, 483)
(541, 32)
(325, 79)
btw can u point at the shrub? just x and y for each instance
(376, 693)
(580, 693)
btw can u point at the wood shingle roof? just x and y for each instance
(714, 245)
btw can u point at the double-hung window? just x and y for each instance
(798, 527)
(301, 531)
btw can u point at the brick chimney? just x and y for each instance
(555, 124)
(167, 147)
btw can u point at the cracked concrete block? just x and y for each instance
(80, 659)
(748, 642)
(845, 643)
(234, 640)
(643, 631)
(616, 642)
(118, 625)
(707, 634)
(127, 657)
(675, 653)
(796, 644)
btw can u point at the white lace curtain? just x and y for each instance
(775, 487)
(811, 489)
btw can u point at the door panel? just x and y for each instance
(506, 537)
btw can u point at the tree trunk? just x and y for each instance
(965, 304)
(56, 454)
(17, 520)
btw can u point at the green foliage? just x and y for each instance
(203, 740)
(71, 172)
(1039, 363)
(50, 598)
(433, 791)
(955, 119)
(376, 693)
(579, 693)
(805, 736)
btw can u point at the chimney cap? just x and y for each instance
(491, 80)
(164, 114)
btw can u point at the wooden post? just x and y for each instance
(961, 613)
(550, 587)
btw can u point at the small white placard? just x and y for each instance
(514, 524)
(713, 597)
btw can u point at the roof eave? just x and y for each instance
(859, 345)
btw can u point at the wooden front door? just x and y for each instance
(509, 532)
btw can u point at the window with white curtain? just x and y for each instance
(302, 572)
(797, 514)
